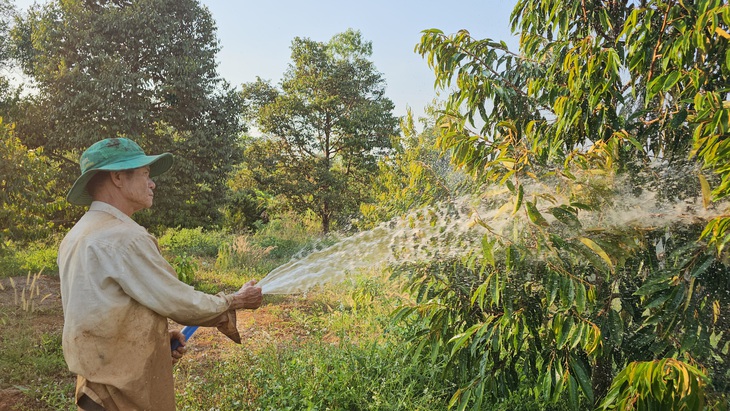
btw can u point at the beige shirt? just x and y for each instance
(118, 292)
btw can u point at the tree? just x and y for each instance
(416, 174)
(8, 95)
(29, 194)
(143, 69)
(595, 315)
(326, 126)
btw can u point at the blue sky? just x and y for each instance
(255, 36)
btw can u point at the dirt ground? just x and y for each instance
(259, 328)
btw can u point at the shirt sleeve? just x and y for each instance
(145, 275)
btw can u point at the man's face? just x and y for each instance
(137, 188)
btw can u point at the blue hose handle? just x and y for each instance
(187, 332)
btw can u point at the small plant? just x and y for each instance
(185, 267)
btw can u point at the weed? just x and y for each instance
(26, 300)
(242, 253)
(185, 267)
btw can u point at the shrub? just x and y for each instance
(185, 268)
(17, 259)
(192, 241)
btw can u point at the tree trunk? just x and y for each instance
(325, 222)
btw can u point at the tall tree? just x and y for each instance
(143, 69)
(325, 126)
(416, 174)
(569, 309)
(8, 95)
(29, 195)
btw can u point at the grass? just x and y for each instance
(32, 359)
(339, 355)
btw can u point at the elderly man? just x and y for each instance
(118, 291)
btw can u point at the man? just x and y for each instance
(118, 291)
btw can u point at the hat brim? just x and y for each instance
(158, 164)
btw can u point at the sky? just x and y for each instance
(255, 36)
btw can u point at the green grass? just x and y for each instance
(32, 361)
(313, 376)
(20, 259)
(343, 356)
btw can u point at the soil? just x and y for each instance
(258, 329)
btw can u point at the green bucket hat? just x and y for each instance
(113, 154)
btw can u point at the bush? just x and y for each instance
(18, 260)
(274, 244)
(192, 241)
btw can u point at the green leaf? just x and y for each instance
(488, 251)
(698, 270)
(547, 384)
(564, 333)
(580, 297)
(460, 340)
(582, 376)
(706, 191)
(535, 215)
(616, 328)
(573, 392)
(671, 80)
(653, 286)
(518, 201)
(566, 216)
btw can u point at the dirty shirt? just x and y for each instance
(118, 292)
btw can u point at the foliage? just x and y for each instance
(339, 358)
(185, 268)
(272, 245)
(19, 258)
(34, 362)
(665, 384)
(242, 253)
(247, 207)
(573, 301)
(8, 93)
(415, 174)
(597, 88)
(139, 69)
(193, 241)
(29, 194)
(6, 12)
(326, 126)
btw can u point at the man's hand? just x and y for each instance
(179, 351)
(249, 296)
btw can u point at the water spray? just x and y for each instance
(455, 229)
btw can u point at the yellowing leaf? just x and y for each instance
(715, 311)
(598, 250)
(706, 192)
(722, 33)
